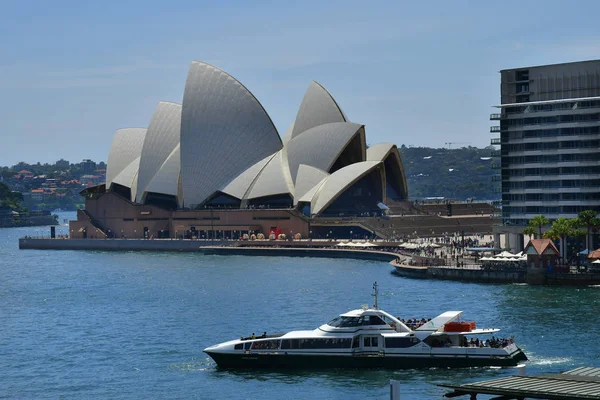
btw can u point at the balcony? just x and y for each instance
(495, 153)
(495, 117)
(495, 166)
(494, 129)
(495, 142)
(496, 178)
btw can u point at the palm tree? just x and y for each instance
(529, 231)
(538, 222)
(588, 219)
(561, 229)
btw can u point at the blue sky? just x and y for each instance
(415, 73)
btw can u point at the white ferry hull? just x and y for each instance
(379, 360)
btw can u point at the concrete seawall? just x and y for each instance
(116, 244)
(481, 276)
(459, 274)
(205, 247)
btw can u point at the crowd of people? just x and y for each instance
(495, 343)
(414, 323)
(504, 266)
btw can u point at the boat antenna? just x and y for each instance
(375, 294)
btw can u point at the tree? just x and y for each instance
(589, 220)
(529, 231)
(561, 229)
(538, 222)
(9, 199)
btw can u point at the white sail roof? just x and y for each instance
(166, 180)
(128, 177)
(379, 151)
(320, 146)
(224, 131)
(318, 107)
(388, 152)
(272, 180)
(288, 135)
(338, 182)
(161, 139)
(240, 185)
(308, 177)
(308, 196)
(125, 148)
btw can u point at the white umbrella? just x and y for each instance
(596, 262)
(367, 244)
(506, 254)
(342, 244)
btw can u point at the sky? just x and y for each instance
(414, 73)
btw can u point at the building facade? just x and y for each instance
(549, 138)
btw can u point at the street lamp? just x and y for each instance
(351, 237)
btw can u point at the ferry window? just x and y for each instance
(375, 342)
(332, 343)
(239, 346)
(375, 320)
(355, 343)
(367, 342)
(247, 345)
(400, 342)
(265, 345)
(289, 344)
(344, 322)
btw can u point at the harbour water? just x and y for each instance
(133, 325)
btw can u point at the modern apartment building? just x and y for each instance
(549, 138)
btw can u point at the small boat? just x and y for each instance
(373, 338)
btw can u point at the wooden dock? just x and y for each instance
(579, 383)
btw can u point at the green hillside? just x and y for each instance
(456, 174)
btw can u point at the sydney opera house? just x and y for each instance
(215, 166)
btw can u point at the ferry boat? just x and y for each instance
(372, 338)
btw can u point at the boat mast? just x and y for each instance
(375, 294)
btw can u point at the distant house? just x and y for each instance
(37, 195)
(91, 180)
(24, 174)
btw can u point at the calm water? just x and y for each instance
(133, 325)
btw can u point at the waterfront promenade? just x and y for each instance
(467, 269)
(306, 248)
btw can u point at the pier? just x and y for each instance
(319, 249)
(576, 384)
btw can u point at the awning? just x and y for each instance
(382, 206)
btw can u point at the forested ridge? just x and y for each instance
(456, 174)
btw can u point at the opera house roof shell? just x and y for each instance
(220, 148)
